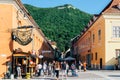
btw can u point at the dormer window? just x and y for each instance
(118, 6)
(25, 16)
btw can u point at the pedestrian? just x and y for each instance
(63, 67)
(36, 70)
(67, 69)
(73, 68)
(49, 68)
(57, 68)
(19, 70)
(84, 65)
(53, 68)
(39, 66)
(45, 68)
(80, 65)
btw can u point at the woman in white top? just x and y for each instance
(45, 68)
(67, 69)
(19, 70)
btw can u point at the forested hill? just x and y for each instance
(61, 23)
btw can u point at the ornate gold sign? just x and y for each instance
(22, 35)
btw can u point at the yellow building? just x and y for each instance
(21, 40)
(99, 42)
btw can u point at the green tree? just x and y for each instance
(60, 25)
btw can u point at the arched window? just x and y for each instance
(96, 56)
(99, 34)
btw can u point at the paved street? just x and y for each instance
(107, 75)
(91, 75)
(88, 75)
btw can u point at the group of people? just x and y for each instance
(53, 68)
(82, 65)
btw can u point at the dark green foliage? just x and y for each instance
(60, 25)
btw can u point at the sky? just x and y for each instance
(89, 6)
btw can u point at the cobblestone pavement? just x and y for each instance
(108, 74)
(88, 75)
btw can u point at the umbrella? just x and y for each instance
(60, 59)
(69, 58)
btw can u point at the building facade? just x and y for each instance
(99, 42)
(22, 42)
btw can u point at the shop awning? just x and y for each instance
(21, 54)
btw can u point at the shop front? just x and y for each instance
(26, 61)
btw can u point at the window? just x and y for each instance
(116, 31)
(96, 56)
(99, 34)
(117, 53)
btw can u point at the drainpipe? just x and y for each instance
(12, 74)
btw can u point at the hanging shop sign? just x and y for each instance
(46, 51)
(22, 35)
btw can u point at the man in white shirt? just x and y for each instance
(39, 66)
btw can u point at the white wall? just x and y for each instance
(111, 43)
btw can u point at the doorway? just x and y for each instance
(24, 66)
(100, 63)
(88, 57)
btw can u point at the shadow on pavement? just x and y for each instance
(114, 75)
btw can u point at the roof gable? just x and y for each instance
(113, 7)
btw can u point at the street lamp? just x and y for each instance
(3, 55)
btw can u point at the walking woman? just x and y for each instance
(57, 68)
(84, 65)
